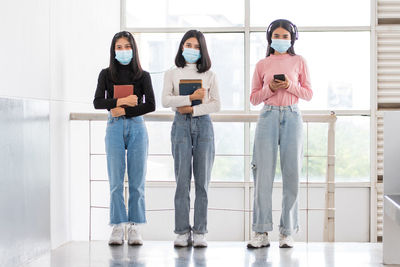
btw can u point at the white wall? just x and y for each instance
(24, 124)
(53, 51)
(24, 53)
(81, 33)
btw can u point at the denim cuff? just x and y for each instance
(288, 232)
(200, 232)
(182, 232)
(262, 228)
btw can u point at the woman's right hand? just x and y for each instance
(198, 94)
(130, 101)
(278, 84)
(273, 85)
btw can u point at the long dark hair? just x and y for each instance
(204, 63)
(134, 65)
(287, 25)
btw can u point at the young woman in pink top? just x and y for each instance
(279, 81)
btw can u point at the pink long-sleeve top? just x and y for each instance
(294, 67)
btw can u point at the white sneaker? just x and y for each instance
(286, 241)
(134, 237)
(183, 240)
(117, 235)
(259, 240)
(199, 240)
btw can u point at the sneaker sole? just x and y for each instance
(181, 246)
(188, 244)
(263, 246)
(135, 243)
(115, 243)
(200, 245)
(285, 246)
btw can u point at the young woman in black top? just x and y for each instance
(126, 133)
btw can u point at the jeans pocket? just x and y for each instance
(110, 120)
(177, 134)
(207, 132)
(296, 111)
(265, 112)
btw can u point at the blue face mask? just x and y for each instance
(191, 55)
(281, 45)
(124, 56)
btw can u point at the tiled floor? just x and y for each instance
(221, 254)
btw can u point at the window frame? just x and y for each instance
(372, 112)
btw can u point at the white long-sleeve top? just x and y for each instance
(171, 97)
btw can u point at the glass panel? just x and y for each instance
(184, 13)
(353, 149)
(227, 55)
(159, 137)
(100, 194)
(158, 51)
(311, 12)
(98, 132)
(340, 78)
(157, 54)
(229, 138)
(228, 168)
(98, 166)
(316, 169)
(317, 139)
(304, 170)
(160, 168)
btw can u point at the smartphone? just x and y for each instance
(280, 77)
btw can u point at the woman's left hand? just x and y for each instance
(283, 84)
(117, 112)
(185, 110)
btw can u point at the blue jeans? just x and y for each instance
(128, 134)
(277, 126)
(192, 140)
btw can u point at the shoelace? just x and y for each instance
(258, 236)
(132, 230)
(117, 231)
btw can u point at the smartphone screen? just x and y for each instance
(280, 77)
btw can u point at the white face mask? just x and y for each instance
(124, 56)
(281, 45)
(191, 55)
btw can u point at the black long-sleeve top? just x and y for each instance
(142, 88)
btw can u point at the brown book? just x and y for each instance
(187, 87)
(121, 91)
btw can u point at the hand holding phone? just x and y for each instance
(279, 82)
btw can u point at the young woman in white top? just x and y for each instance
(192, 135)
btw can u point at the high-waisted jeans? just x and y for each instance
(278, 126)
(192, 141)
(126, 137)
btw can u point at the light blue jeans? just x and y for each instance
(278, 126)
(126, 137)
(192, 140)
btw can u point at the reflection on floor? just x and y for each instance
(221, 254)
